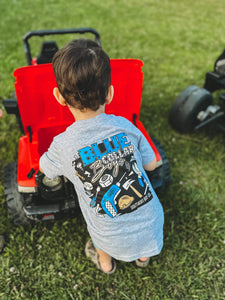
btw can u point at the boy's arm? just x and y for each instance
(50, 162)
(40, 169)
(151, 166)
(147, 153)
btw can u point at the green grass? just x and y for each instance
(178, 42)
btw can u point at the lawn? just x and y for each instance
(178, 41)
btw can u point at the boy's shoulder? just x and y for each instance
(79, 129)
(120, 119)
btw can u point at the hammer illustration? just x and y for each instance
(127, 184)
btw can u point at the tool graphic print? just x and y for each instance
(128, 183)
(111, 177)
(108, 200)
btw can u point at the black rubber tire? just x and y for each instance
(160, 177)
(14, 199)
(183, 113)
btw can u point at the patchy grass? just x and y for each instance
(178, 42)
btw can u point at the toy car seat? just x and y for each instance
(48, 50)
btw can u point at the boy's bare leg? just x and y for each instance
(105, 260)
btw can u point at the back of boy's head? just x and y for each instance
(83, 74)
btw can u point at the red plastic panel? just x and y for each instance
(127, 79)
(37, 105)
(39, 109)
(28, 160)
(43, 117)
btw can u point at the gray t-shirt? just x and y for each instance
(103, 157)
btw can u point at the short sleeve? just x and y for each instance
(51, 161)
(145, 149)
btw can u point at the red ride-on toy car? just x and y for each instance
(193, 108)
(30, 195)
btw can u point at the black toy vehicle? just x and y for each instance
(194, 109)
(30, 195)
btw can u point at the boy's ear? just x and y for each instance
(59, 97)
(110, 94)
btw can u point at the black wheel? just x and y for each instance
(160, 177)
(183, 114)
(14, 199)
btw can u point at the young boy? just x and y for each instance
(104, 156)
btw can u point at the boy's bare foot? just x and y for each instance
(142, 262)
(106, 266)
(105, 261)
(101, 259)
(143, 259)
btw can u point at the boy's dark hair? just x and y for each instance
(83, 74)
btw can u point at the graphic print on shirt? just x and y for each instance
(111, 177)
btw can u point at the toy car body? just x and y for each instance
(193, 108)
(30, 195)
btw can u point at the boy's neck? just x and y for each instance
(87, 113)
